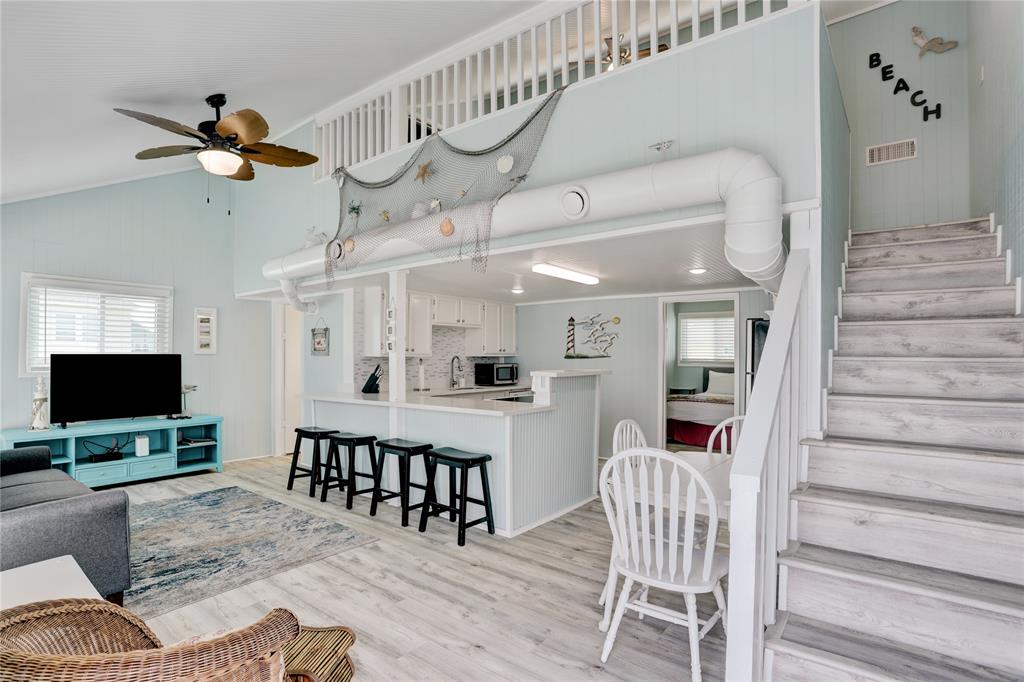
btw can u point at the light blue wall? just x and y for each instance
(995, 42)
(631, 390)
(935, 186)
(835, 193)
(155, 231)
(752, 88)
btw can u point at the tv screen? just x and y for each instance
(115, 386)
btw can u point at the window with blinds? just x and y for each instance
(72, 315)
(706, 338)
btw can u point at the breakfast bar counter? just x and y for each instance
(544, 454)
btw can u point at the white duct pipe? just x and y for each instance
(290, 291)
(744, 181)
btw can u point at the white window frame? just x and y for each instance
(698, 362)
(105, 286)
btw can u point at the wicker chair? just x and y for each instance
(92, 640)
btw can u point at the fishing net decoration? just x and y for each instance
(441, 199)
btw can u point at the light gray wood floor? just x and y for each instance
(424, 608)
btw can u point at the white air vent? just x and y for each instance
(891, 151)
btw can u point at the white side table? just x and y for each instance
(58, 578)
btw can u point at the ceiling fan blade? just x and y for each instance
(276, 155)
(244, 172)
(247, 125)
(165, 123)
(172, 150)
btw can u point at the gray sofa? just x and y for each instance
(44, 513)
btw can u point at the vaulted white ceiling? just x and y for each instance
(65, 65)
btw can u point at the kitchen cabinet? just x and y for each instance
(497, 333)
(452, 311)
(419, 330)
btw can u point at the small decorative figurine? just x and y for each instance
(936, 45)
(40, 413)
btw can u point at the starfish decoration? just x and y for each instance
(423, 172)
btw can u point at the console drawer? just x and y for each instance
(98, 475)
(151, 467)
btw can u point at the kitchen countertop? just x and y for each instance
(466, 404)
(469, 390)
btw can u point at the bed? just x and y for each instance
(690, 419)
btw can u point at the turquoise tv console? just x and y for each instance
(176, 446)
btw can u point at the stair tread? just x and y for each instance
(992, 595)
(967, 261)
(937, 320)
(987, 402)
(931, 292)
(996, 359)
(908, 506)
(916, 242)
(915, 449)
(947, 223)
(876, 657)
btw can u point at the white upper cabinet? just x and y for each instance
(419, 330)
(497, 334)
(446, 310)
(452, 311)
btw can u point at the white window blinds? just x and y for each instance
(707, 338)
(72, 315)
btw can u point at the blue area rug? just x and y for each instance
(190, 548)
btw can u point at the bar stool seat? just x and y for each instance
(315, 434)
(405, 450)
(463, 461)
(347, 481)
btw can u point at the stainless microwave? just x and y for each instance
(496, 373)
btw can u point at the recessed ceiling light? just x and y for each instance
(564, 273)
(698, 271)
(517, 290)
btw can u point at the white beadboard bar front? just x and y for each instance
(544, 456)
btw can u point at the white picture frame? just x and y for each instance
(204, 331)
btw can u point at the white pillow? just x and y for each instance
(720, 382)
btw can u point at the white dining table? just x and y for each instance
(715, 467)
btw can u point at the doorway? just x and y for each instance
(289, 337)
(700, 377)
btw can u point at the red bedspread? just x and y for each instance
(691, 433)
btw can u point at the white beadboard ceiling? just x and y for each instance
(651, 263)
(65, 65)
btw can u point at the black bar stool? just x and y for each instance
(315, 434)
(351, 441)
(405, 450)
(457, 459)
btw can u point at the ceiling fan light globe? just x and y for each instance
(219, 162)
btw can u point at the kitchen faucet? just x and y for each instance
(452, 383)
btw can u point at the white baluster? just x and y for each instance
(741, 12)
(371, 112)
(469, 89)
(694, 20)
(581, 64)
(318, 150)
(519, 65)
(433, 101)
(652, 21)
(673, 14)
(507, 101)
(634, 33)
(615, 34)
(596, 9)
(424, 104)
(534, 63)
(494, 79)
(550, 58)
(563, 45)
(480, 84)
(414, 133)
(717, 5)
(766, 8)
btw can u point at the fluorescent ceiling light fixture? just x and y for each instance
(564, 273)
(698, 271)
(219, 162)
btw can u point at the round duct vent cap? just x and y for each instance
(574, 202)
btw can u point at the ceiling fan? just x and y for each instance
(226, 146)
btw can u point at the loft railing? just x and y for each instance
(766, 468)
(584, 42)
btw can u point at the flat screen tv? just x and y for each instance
(86, 387)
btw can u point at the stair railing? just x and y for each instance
(765, 470)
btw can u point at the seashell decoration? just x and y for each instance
(505, 163)
(349, 245)
(447, 227)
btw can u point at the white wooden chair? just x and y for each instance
(627, 435)
(652, 550)
(724, 448)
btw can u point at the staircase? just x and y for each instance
(909, 559)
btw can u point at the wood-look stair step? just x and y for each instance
(952, 422)
(999, 301)
(808, 650)
(981, 272)
(909, 233)
(952, 537)
(953, 337)
(982, 478)
(937, 377)
(971, 618)
(924, 251)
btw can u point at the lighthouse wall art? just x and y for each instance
(591, 337)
